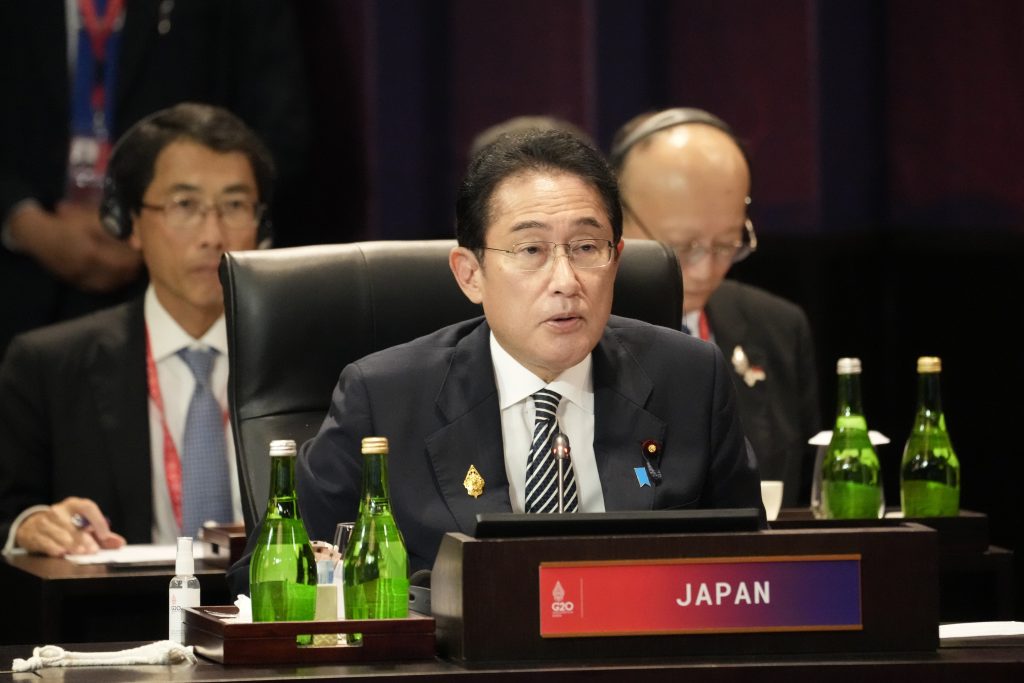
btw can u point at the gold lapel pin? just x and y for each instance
(473, 482)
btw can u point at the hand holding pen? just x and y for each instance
(72, 526)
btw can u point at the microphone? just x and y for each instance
(560, 451)
(419, 592)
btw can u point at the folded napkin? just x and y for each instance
(160, 652)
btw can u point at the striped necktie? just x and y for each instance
(541, 467)
(206, 484)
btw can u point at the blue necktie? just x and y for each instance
(541, 468)
(206, 493)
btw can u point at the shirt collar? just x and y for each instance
(692, 322)
(167, 337)
(516, 383)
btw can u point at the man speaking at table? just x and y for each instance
(539, 224)
(86, 459)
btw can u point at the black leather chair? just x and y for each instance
(297, 316)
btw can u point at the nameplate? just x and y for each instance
(705, 595)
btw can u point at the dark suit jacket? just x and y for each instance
(780, 413)
(436, 400)
(239, 54)
(74, 419)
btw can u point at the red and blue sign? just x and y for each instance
(706, 595)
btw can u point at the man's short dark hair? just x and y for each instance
(521, 124)
(531, 151)
(133, 162)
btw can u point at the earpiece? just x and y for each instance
(113, 215)
(667, 119)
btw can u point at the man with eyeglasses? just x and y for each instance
(471, 410)
(113, 426)
(686, 181)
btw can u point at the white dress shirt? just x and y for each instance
(516, 386)
(166, 338)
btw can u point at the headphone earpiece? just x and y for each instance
(670, 118)
(113, 215)
(265, 231)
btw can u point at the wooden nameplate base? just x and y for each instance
(223, 544)
(490, 606)
(966, 532)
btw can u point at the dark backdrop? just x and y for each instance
(885, 139)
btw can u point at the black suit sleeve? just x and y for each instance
(34, 118)
(328, 473)
(810, 408)
(733, 481)
(25, 465)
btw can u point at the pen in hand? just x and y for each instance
(72, 526)
(99, 538)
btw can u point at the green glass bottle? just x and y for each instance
(851, 476)
(375, 569)
(282, 572)
(929, 471)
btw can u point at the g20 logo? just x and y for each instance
(559, 605)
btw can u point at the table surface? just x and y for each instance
(59, 601)
(58, 569)
(995, 659)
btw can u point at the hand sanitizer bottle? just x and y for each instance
(183, 591)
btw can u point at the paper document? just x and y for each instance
(138, 554)
(981, 629)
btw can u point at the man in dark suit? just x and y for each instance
(649, 412)
(686, 182)
(98, 415)
(239, 54)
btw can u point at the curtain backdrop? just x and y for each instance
(885, 139)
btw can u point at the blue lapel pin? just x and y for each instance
(641, 476)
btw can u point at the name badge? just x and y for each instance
(703, 595)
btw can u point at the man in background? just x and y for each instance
(113, 426)
(685, 181)
(76, 75)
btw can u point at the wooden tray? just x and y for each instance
(216, 638)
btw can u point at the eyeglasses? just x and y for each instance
(693, 253)
(531, 256)
(187, 213)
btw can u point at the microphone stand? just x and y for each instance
(560, 451)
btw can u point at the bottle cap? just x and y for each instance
(375, 444)
(184, 564)
(282, 447)
(929, 364)
(848, 366)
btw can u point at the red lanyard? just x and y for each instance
(172, 462)
(702, 326)
(99, 29)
